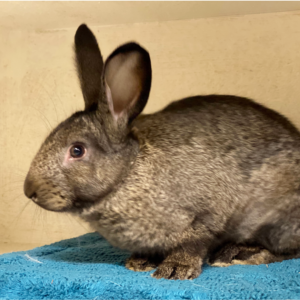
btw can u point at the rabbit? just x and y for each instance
(175, 186)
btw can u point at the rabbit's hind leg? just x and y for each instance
(233, 254)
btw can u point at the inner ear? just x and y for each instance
(127, 79)
(123, 80)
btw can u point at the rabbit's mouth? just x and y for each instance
(46, 195)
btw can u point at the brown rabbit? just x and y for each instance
(174, 186)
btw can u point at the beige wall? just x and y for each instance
(256, 56)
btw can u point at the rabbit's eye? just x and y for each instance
(77, 151)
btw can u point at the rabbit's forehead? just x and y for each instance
(72, 130)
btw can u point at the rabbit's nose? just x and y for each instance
(30, 187)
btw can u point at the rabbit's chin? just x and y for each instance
(67, 206)
(53, 204)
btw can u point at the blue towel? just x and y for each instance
(87, 267)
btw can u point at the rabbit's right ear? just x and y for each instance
(89, 66)
(127, 77)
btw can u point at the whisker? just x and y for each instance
(58, 97)
(12, 183)
(51, 101)
(71, 220)
(45, 214)
(80, 224)
(17, 176)
(18, 196)
(15, 172)
(10, 190)
(38, 221)
(58, 222)
(36, 215)
(45, 119)
(16, 219)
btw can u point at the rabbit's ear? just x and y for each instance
(127, 79)
(89, 66)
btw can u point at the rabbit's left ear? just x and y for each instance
(127, 80)
(89, 66)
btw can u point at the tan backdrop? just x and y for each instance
(256, 56)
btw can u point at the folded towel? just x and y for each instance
(87, 267)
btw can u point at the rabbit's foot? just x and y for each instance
(233, 254)
(141, 264)
(263, 257)
(224, 256)
(169, 270)
(179, 265)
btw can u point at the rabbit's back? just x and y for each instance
(223, 126)
(217, 156)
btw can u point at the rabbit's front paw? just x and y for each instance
(169, 270)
